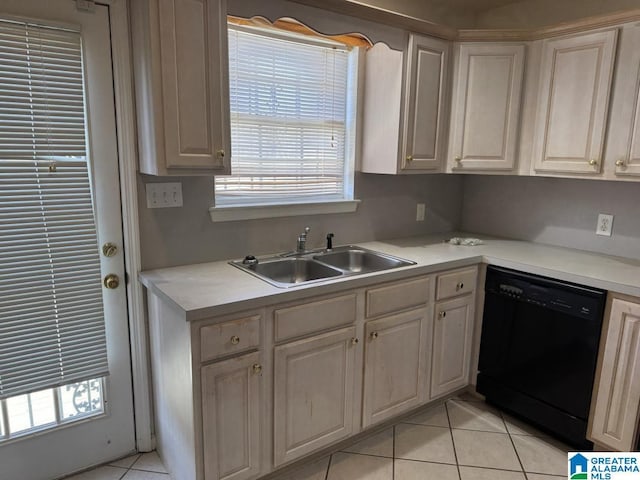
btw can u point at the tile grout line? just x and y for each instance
(326, 475)
(514, 446)
(393, 455)
(453, 443)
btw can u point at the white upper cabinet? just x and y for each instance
(573, 103)
(486, 107)
(405, 107)
(622, 158)
(425, 106)
(182, 94)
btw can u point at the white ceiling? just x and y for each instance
(470, 5)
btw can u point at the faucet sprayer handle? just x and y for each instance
(329, 241)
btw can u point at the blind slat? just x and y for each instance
(288, 120)
(52, 328)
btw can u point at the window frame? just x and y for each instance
(222, 213)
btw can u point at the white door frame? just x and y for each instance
(128, 160)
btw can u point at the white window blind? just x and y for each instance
(289, 105)
(52, 328)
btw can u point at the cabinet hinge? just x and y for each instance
(86, 6)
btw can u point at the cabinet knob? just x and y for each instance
(442, 314)
(354, 341)
(111, 281)
(257, 368)
(459, 286)
(457, 159)
(593, 162)
(374, 335)
(235, 340)
(220, 153)
(409, 158)
(620, 163)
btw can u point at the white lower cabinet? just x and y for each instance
(453, 331)
(245, 394)
(232, 398)
(395, 372)
(313, 393)
(616, 399)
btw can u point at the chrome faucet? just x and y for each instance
(302, 241)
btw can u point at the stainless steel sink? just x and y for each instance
(319, 265)
(287, 272)
(359, 260)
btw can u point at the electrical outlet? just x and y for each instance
(420, 208)
(163, 195)
(605, 225)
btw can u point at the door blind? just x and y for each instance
(288, 119)
(52, 329)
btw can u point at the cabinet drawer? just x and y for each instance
(456, 283)
(229, 337)
(306, 318)
(397, 296)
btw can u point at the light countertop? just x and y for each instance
(209, 289)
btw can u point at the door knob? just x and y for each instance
(111, 281)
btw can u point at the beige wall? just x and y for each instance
(180, 236)
(539, 13)
(555, 211)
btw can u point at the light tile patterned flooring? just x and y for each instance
(146, 466)
(462, 439)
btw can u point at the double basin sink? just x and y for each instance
(298, 269)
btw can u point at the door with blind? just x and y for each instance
(65, 370)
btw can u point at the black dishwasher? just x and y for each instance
(539, 348)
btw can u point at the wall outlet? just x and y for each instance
(164, 195)
(605, 225)
(420, 208)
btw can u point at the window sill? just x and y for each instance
(231, 214)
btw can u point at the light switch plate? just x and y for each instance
(605, 225)
(420, 208)
(164, 195)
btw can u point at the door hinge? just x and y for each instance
(86, 5)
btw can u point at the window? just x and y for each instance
(292, 119)
(52, 331)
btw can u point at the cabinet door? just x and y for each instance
(425, 112)
(616, 405)
(395, 372)
(573, 103)
(313, 393)
(484, 122)
(623, 139)
(193, 47)
(452, 337)
(232, 397)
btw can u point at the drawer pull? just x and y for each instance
(442, 314)
(459, 286)
(235, 340)
(257, 368)
(354, 341)
(374, 335)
